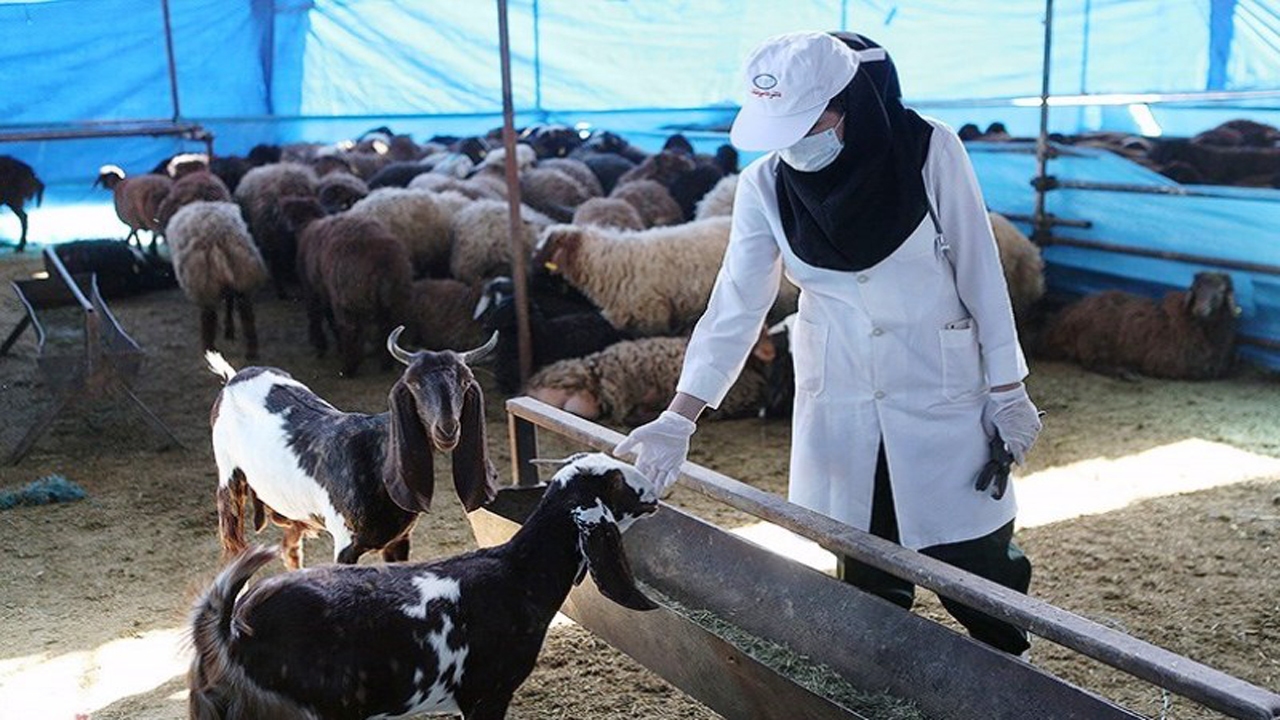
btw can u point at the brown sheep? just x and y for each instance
(1188, 335)
(652, 201)
(193, 186)
(352, 272)
(137, 200)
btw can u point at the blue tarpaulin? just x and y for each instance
(277, 71)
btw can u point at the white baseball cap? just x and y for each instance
(790, 79)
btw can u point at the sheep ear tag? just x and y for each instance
(601, 543)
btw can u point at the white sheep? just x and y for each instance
(650, 282)
(482, 239)
(719, 200)
(216, 261)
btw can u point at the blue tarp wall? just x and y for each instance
(283, 70)
(324, 70)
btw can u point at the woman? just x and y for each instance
(906, 356)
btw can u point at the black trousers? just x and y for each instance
(994, 557)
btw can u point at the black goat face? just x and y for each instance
(1211, 294)
(608, 495)
(437, 405)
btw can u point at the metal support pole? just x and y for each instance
(1041, 228)
(519, 261)
(173, 66)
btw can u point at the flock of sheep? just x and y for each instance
(384, 231)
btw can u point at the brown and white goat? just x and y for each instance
(1187, 335)
(362, 478)
(452, 636)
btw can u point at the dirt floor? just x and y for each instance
(94, 594)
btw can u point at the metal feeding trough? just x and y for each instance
(698, 569)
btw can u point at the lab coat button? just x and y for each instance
(877, 332)
(879, 394)
(863, 278)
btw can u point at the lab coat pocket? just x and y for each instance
(810, 356)
(961, 360)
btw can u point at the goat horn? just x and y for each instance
(474, 356)
(393, 347)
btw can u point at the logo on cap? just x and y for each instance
(764, 81)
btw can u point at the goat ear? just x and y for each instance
(407, 471)
(474, 477)
(601, 542)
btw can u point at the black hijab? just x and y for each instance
(856, 211)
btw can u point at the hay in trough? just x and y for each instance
(805, 672)
(46, 490)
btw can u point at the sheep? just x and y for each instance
(651, 282)
(338, 191)
(441, 314)
(137, 200)
(562, 324)
(191, 187)
(1187, 335)
(608, 212)
(551, 141)
(688, 188)
(718, 201)
(577, 170)
(663, 167)
(631, 381)
(259, 194)
(553, 192)
(415, 218)
(482, 240)
(652, 201)
(436, 182)
(216, 261)
(606, 166)
(397, 174)
(353, 272)
(1023, 266)
(453, 636)
(361, 478)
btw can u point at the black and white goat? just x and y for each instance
(452, 636)
(362, 478)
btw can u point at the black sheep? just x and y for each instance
(18, 184)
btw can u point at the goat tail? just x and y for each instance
(219, 366)
(212, 669)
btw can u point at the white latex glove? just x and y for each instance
(661, 447)
(1013, 414)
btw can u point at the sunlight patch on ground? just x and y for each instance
(79, 683)
(1088, 487)
(1100, 485)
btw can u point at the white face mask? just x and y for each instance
(814, 152)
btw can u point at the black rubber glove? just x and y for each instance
(995, 474)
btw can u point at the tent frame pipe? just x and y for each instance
(173, 65)
(1176, 190)
(1243, 265)
(1041, 225)
(516, 225)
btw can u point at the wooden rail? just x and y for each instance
(1178, 674)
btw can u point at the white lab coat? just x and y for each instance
(905, 350)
